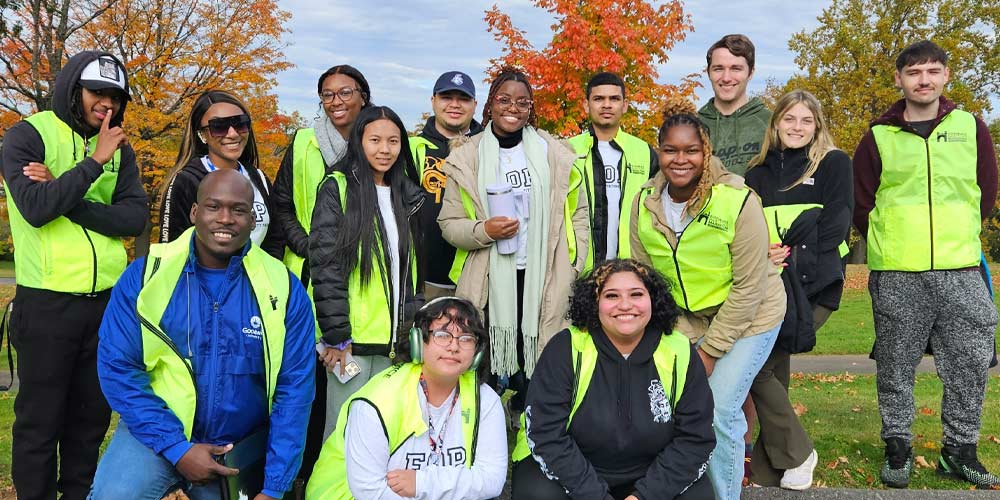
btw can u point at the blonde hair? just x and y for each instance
(679, 111)
(822, 142)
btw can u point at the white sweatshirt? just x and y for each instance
(368, 459)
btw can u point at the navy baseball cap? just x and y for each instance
(455, 80)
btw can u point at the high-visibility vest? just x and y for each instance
(634, 171)
(671, 359)
(393, 393)
(418, 149)
(926, 213)
(700, 268)
(371, 307)
(63, 256)
(308, 172)
(572, 201)
(781, 217)
(171, 375)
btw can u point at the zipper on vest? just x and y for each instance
(170, 343)
(676, 250)
(930, 200)
(93, 253)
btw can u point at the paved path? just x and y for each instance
(856, 364)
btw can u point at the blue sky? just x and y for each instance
(403, 46)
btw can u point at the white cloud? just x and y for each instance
(402, 46)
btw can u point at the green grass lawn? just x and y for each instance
(841, 416)
(6, 269)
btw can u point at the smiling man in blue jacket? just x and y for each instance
(205, 341)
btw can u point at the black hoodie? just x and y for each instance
(43, 202)
(613, 440)
(437, 269)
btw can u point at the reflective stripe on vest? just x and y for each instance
(635, 160)
(308, 172)
(700, 269)
(63, 256)
(572, 200)
(370, 313)
(393, 394)
(171, 376)
(781, 217)
(926, 213)
(671, 359)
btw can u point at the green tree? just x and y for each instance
(848, 61)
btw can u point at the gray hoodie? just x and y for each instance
(736, 138)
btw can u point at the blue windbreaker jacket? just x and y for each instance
(228, 362)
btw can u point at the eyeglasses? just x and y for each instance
(219, 127)
(521, 104)
(443, 339)
(345, 94)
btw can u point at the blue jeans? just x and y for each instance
(730, 382)
(131, 471)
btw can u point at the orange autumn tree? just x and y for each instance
(627, 37)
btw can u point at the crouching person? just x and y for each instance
(205, 342)
(428, 428)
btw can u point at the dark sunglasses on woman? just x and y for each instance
(219, 127)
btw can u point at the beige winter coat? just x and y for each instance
(462, 170)
(756, 301)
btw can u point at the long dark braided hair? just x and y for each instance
(679, 111)
(509, 74)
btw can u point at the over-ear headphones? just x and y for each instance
(417, 339)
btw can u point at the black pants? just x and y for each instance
(59, 410)
(528, 483)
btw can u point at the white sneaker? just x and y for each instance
(801, 477)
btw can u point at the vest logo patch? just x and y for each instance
(713, 221)
(254, 332)
(659, 405)
(635, 169)
(952, 136)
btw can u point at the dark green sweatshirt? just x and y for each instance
(736, 138)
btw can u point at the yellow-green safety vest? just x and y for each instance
(55, 256)
(370, 307)
(926, 213)
(572, 200)
(418, 149)
(393, 394)
(308, 172)
(635, 172)
(781, 217)
(171, 375)
(700, 268)
(671, 359)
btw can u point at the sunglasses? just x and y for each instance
(219, 127)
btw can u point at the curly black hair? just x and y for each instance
(583, 307)
(459, 311)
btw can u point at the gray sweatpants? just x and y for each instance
(953, 311)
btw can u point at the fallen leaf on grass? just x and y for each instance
(994, 439)
(926, 411)
(843, 460)
(833, 464)
(922, 462)
(856, 409)
(800, 409)
(930, 445)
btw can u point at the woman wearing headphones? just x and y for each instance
(444, 429)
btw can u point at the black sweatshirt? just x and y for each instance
(433, 184)
(832, 186)
(613, 440)
(43, 202)
(182, 192)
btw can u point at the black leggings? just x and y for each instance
(528, 483)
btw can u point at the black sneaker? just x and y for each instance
(961, 462)
(898, 463)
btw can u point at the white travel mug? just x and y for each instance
(500, 198)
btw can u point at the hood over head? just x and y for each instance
(66, 103)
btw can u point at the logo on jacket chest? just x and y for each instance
(713, 221)
(951, 136)
(254, 331)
